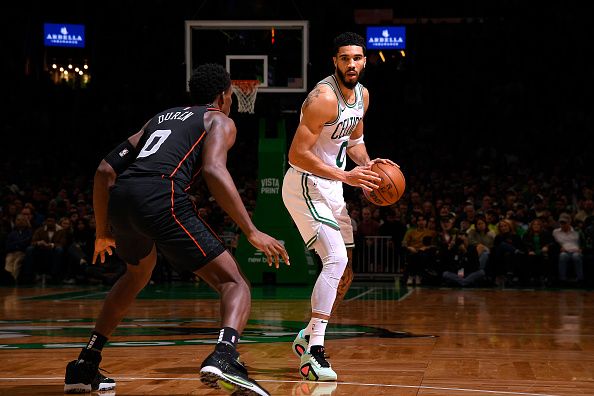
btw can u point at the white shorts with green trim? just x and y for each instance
(313, 201)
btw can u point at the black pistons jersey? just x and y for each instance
(171, 145)
(149, 205)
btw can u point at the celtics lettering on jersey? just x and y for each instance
(345, 128)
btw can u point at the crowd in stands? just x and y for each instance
(503, 221)
(524, 241)
(47, 235)
(481, 227)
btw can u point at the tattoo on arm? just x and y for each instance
(312, 95)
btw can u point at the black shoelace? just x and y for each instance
(318, 352)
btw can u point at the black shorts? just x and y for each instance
(151, 210)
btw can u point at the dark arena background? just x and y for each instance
(487, 106)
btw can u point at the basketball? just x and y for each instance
(391, 188)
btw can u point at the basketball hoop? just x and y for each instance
(246, 91)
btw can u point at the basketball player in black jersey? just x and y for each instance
(141, 204)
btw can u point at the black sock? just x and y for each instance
(94, 347)
(229, 335)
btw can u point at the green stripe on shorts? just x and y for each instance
(312, 209)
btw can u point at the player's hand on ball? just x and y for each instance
(392, 184)
(364, 177)
(383, 161)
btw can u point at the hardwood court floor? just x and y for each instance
(383, 341)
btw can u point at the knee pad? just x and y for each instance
(332, 269)
(324, 292)
(332, 251)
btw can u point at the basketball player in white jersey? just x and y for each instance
(331, 127)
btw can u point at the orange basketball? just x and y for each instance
(391, 188)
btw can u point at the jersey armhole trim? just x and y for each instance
(338, 112)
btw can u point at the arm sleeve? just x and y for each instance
(121, 157)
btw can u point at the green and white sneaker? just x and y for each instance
(315, 367)
(222, 370)
(300, 344)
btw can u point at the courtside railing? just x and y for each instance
(376, 257)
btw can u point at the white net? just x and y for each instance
(246, 91)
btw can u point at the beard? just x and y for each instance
(348, 84)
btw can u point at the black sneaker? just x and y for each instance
(84, 376)
(222, 370)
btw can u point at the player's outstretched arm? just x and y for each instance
(105, 176)
(219, 140)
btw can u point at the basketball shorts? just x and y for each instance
(313, 201)
(147, 211)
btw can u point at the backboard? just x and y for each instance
(273, 52)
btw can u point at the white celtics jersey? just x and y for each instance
(333, 140)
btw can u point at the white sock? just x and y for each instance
(316, 329)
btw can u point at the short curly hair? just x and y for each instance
(348, 38)
(208, 81)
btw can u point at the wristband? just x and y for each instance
(354, 142)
